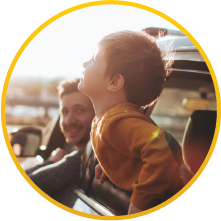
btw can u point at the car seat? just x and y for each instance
(198, 137)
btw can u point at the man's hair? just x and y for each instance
(67, 86)
(136, 56)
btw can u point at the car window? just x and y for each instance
(52, 138)
(112, 197)
(79, 205)
(169, 113)
(32, 144)
(87, 168)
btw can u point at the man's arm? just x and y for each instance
(56, 155)
(53, 177)
(32, 169)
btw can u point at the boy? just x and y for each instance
(125, 74)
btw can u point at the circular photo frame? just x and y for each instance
(89, 6)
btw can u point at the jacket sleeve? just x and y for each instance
(160, 173)
(140, 139)
(54, 177)
(32, 169)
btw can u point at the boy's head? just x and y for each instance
(136, 57)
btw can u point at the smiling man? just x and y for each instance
(76, 115)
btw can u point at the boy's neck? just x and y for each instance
(101, 107)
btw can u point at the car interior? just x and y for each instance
(198, 137)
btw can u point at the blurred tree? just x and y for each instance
(26, 88)
(34, 86)
(52, 87)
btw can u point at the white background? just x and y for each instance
(18, 19)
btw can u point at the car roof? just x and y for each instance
(188, 64)
(186, 56)
(180, 44)
(154, 31)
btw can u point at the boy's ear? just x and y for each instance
(116, 83)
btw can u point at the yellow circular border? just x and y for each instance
(75, 8)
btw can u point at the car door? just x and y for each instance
(112, 199)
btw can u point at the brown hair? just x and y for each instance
(136, 56)
(67, 86)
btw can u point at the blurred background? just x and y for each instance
(58, 52)
(31, 101)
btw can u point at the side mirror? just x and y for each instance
(25, 141)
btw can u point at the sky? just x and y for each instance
(61, 48)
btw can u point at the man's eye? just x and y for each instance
(80, 110)
(64, 112)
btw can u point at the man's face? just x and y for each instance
(76, 115)
(94, 82)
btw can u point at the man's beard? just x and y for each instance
(83, 140)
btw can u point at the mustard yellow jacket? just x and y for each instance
(135, 155)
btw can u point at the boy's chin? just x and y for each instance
(80, 85)
(81, 88)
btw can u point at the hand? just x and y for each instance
(133, 209)
(99, 174)
(57, 155)
(18, 149)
